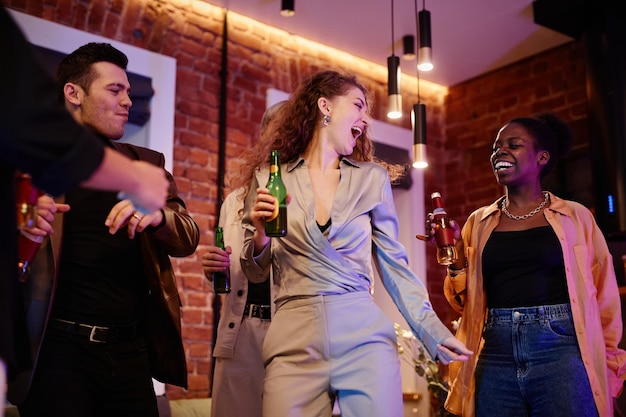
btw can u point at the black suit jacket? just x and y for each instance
(177, 236)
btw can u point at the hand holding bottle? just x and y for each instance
(34, 222)
(269, 213)
(47, 208)
(220, 277)
(276, 223)
(215, 259)
(262, 209)
(431, 228)
(444, 231)
(26, 199)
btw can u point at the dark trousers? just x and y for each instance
(75, 377)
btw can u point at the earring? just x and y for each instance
(326, 120)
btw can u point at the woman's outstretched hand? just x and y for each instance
(452, 349)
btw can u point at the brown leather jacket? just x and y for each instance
(178, 236)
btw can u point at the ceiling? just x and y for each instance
(469, 37)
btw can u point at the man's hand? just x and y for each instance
(150, 194)
(146, 185)
(46, 209)
(124, 213)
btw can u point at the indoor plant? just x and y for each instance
(412, 350)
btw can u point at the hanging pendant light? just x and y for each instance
(418, 118)
(287, 8)
(408, 45)
(418, 122)
(425, 58)
(394, 105)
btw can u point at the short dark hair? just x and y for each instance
(76, 67)
(550, 133)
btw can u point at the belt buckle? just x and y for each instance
(265, 311)
(250, 309)
(92, 334)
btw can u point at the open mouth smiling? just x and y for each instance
(356, 132)
(502, 165)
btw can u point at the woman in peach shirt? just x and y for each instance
(537, 291)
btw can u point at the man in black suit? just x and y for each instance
(112, 320)
(39, 137)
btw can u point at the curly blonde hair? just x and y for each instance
(293, 125)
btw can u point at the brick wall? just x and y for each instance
(461, 125)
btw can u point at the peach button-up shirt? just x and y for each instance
(593, 292)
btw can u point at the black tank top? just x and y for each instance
(524, 268)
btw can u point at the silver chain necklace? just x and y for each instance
(525, 216)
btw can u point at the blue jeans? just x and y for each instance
(530, 365)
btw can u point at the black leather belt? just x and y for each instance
(263, 312)
(95, 334)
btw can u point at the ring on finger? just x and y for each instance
(137, 216)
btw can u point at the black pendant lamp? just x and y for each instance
(418, 117)
(408, 48)
(287, 8)
(418, 122)
(394, 106)
(425, 56)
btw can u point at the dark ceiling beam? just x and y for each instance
(569, 17)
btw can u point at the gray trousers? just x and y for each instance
(326, 347)
(238, 381)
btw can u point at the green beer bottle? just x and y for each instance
(221, 280)
(276, 225)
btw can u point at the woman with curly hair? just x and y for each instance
(328, 339)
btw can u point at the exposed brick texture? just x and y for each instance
(461, 125)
